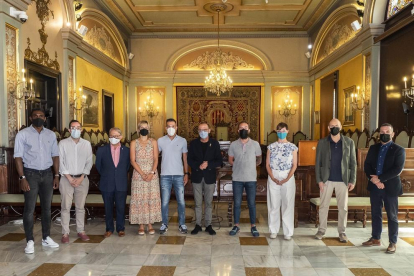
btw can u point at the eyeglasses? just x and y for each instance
(116, 137)
(77, 128)
(200, 130)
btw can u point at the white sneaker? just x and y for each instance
(29, 247)
(49, 243)
(273, 235)
(288, 238)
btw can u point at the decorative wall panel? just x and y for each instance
(71, 88)
(367, 89)
(11, 71)
(195, 105)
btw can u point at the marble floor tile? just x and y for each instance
(194, 261)
(171, 240)
(369, 272)
(156, 270)
(319, 251)
(13, 237)
(164, 260)
(166, 249)
(67, 258)
(119, 270)
(78, 247)
(253, 241)
(263, 271)
(225, 238)
(333, 272)
(93, 239)
(228, 271)
(227, 261)
(409, 240)
(336, 242)
(200, 238)
(55, 269)
(325, 262)
(192, 271)
(256, 250)
(11, 256)
(196, 249)
(109, 248)
(137, 249)
(17, 269)
(134, 260)
(260, 261)
(400, 271)
(293, 271)
(98, 259)
(87, 270)
(392, 261)
(226, 250)
(293, 261)
(308, 241)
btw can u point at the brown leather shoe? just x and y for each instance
(391, 248)
(372, 242)
(121, 233)
(107, 234)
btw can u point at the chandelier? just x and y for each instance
(286, 110)
(218, 82)
(408, 92)
(358, 101)
(22, 91)
(150, 110)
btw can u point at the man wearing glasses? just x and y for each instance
(75, 165)
(112, 163)
(204, 157)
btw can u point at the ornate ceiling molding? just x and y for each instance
(42, 56)
(98, 37)
(260, 56)
(230, 61)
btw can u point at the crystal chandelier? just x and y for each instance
(286, 110)
(218, 82)
(150, 110)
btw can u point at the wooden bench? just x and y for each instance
(17, 200)
(359, 204)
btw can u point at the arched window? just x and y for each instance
(394, 6)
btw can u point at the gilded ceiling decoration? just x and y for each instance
(42, 56)
(99, 38)
(337, 36)
(230, 61)
(198, 16)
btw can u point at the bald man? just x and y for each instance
(335, 170)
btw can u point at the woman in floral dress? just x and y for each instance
(281, 163)
(145, 207)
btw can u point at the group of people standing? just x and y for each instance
(37, 150)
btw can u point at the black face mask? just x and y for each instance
(334, 131)
(143, 132)
(38, 122)
(243, 133)
(385, 138)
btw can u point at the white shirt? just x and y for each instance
(75, 158)
(172, 152)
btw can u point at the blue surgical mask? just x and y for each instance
(203, 134)
(282, 135)
(75, 133)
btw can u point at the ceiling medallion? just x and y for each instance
(215, 7)
(218, 82)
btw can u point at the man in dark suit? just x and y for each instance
(204, 157)
(383, 166)
(112, 163)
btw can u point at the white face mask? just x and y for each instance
(114, 141)
(75, 133)
(171, 131)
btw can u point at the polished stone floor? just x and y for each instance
(199, 255)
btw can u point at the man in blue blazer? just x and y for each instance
(383, 166)
(112, 163)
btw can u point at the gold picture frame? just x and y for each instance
(91, 111)
(349, 116)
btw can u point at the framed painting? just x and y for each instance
(348, 112)
(90, 113)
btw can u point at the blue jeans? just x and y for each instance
(379, 198)
(119, 198)
(177, 182)
(250, 187)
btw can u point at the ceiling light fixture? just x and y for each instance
(218, 82)
(78, 5)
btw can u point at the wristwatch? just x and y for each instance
(22, 177)
(57, 175)
(187, 173)
(152, 172)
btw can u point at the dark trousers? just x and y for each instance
(119, 199)
(41, 183)
(379, 198)
(238, 188)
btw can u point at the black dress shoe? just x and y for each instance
(196, 230)
(210, 230)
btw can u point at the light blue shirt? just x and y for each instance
(172, 152)
(36, 149)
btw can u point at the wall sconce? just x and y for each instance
(76, 99)
(78, 17)
(22, 91)
(78, 5)
(408, 93)
(286, 110)
(358, 100)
